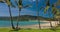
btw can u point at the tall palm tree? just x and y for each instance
(11, 17)
(20, 6)
(9, 4)
(47, 7)
(38, 14)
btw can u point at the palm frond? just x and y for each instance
(9, 3)
(46, 9)
(20, 3)
(2, 1)
(13, 5)
(28, 6)
(54, 10)
(47, 6)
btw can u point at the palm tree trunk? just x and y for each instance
(59, 21)
(11, 18)
(38, 14)
(50, 24)
(18, 19)
(50, 21)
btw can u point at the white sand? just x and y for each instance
(45, 25)
(36, 26)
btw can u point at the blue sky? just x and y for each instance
(26, 11)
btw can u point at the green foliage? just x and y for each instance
(8, 2)
(46, 9)
(1, 1)
(56, 12)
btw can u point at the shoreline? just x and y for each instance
(36, 26)
(43, 26)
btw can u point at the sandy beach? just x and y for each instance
(36, 26)
(43, 26)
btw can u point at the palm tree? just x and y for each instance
(9, 4)
(11, 17)
(20, 6)
(57, 13)
(2, 1)
(38, 14)
(47, 7)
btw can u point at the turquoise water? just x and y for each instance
(21, 23)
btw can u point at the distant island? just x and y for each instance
(27, 18)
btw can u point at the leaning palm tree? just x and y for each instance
(55, 11)
(38, 14)
(57, 14)
(9, 4)
(20, 6)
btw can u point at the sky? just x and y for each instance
(4, 11)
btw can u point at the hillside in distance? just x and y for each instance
(26, 18)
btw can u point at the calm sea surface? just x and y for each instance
(21, 23)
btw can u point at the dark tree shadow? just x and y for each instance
(15, 30)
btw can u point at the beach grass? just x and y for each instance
(28, 30)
